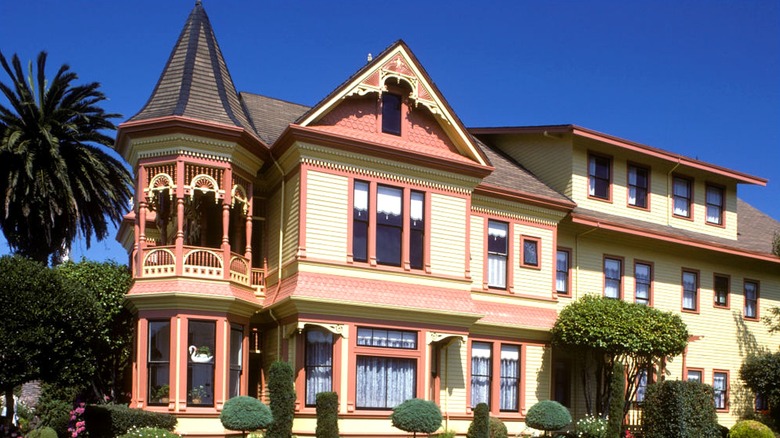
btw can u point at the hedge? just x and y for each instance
(109, 421)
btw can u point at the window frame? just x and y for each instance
(388, 226)
(605, 279)
(505, 255)
(191, 364)
(416, 229)
(496, 347)
(650, 284)
(489, 375)
(396, 129)
(155, 363)
(365, 222)
(538, 243)
(715, 277)
(646, 189)
(593, 176)
(307, 366)
(231, 366)
(568, 252)
(721, 208)
(697, 293)
(689, 200)
(689, 370)
(757, 300)
(726, 390)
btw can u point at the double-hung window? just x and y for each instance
(638, 184)
(682, 195)
(714, 201)
(751, 299)
(481, 372)
(643, 280)
(417, 230)
(360, 221)
(200, 363)
(599, 176)
(159, 362)
(720, 386)
(613, 277)
(641, 384)
(509, 390)
(389, 225)
(562, 265)
(318, 363)
(236, 360)
(498, 253)
(721, 290)
(690, 286)
(507, 369)
(385, 381)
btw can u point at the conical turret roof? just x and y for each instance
(196, 82)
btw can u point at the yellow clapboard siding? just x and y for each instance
(327, 214)
(477, 251)
(448, 235)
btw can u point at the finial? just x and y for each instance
(198, 3)
(369, 57)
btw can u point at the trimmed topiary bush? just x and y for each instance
(109, 421)
(327, 415)
(149, 432)
(417, 415)
(246, 414)
(617, 390)
(677, 408)
(480, 426)
(548, 415)
(498, 428)
(750, 429)
(281, 393)
(42, 432)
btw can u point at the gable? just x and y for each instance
(430, 125)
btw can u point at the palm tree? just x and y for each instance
(56, 179)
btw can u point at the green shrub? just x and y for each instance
(591, 427)
(548, 415)
(53, 408)
(676, 408)
(750, 429)
(480, 426)
(327, 415)
(617, 390)
(281, 393)
(108, 421)
(498, 428)
(149, 432)
(42, 432)
(417, 415)
(245, 413)
(446, 434)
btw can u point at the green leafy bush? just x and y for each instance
(108, 421)
(498, 428)
(678, 408)
(245, 413)
(417, 415)
(548, 415)
(42, 432)
(149, 432)
(53, 408)
(480, 426)
(617, 389)
(446, 434)
(591, 427)
(761, 373)
(327, 415)
(281, 394)
(750, 429)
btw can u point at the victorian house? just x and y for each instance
(388, 252)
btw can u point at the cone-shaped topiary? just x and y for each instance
(498, 428)
(327, 415)
(281, 394)
(480, 426)
(417, 415)
(548, 415)
(245, 414)
(617, 388)
(750, 429)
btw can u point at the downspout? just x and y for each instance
(670, 203)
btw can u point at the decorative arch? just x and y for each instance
(238, 194)
(158, 184)
(205, 184)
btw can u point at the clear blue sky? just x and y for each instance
(699, 78)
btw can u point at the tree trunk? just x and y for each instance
(9, 407)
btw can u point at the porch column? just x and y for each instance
(179, 243)
(227, 185)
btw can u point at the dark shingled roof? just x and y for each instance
(755, 230)
(195, 82)
(271, 116)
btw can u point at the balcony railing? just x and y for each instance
(199, 262)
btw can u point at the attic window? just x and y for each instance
(391, 113)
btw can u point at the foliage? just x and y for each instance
(245, 413)
(548, 415)
(480, 426)
(776, 243)
(417, 415)
(149, 432)
(56, 179)
(617, 390)
(76, 425)
(108, 421)
(772, 320)
(498, 428)
(679, 408)
(761, 373)
(42, 432)
(591, 427)
(750, 429)
(281, 393)
(604, 330)
(327, 415)
(446, 434)
(107, 282)
(54, 406)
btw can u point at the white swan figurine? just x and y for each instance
(199, 357)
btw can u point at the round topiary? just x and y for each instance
(498, 428)
(417, 415)
(480, 425)
(750, 429)
(548, 415)
(245, 413)
(43, 432)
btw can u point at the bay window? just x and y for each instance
(159, 362)
(318, 364)
(200, 363)
(385, 379)
(498, 253)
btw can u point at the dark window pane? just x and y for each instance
(391, 113)
(530, 255)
